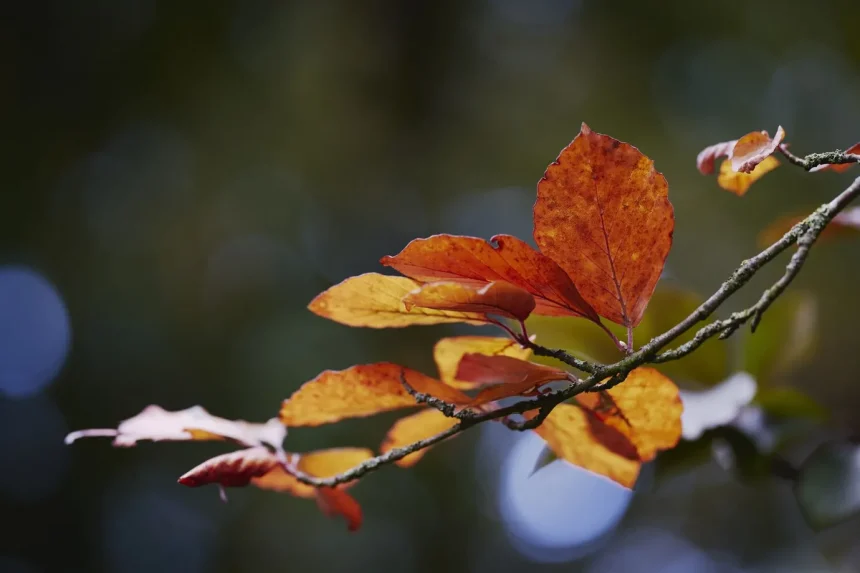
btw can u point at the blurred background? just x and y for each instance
(180, 179)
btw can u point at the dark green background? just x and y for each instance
(190, 174)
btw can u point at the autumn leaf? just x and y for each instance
(262, 468)
(646, 408)
(474, 261)
(839, 167)
(737, 182)
(844, 224)
(512, 376)
(376, 301)
(405, 431)
(706, 158)
(754, 148)
(192, 424)
(567, 431)
(498, 297)
(603, 214)
(359, 391)
(448, 351)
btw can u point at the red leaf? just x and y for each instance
(473, 261)
(514, 376)
(839, 167)
(498, 297)
(235, 469)
(753, 148)
(335, 501)
(603, 214)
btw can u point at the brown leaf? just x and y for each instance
(376, 301)
(498, 297)
(360, 391)
(514, 376)
(448, 352)
(234, 469)
(405, 431)
(646, 408)
(568, 432)
(603, 214)
(474, 261)
(192, 424)
(739, 183)
(844, 224)
(839, 167)
(753, 148)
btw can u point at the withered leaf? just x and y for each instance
(498, 298)
(192, 424)
(603, 214)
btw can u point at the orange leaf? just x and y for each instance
(335, 501)
(405, 431)
(497, 297)
(753, 148)
(234, 469)
(739, 183)
(448, 352)
(846, 223)
(604, 215)
(360, 391)
(839, 167)
(376, 301)
(646, 408)
(568, 432)
(320, 463)
(474, 261)
(513, 376)
(192, 424)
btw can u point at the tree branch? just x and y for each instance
(804, 234)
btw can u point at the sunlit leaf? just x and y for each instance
(839, 167)
(646, 408)
(405, 431)
(789, 403)
(234, 469)
(568, 432)
(475, 261)
(359, 391)
(513, 376)
(498, 298)
(448, 351)
(376, 301)
(192, 424)
(828, 487)
(603, 214)
(737, 182)
(785, 337)
(754, 148)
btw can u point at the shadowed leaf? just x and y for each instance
(448, 352)
(499, 298)
(405, 431)
(567, 431)
(844, 224)
(359, 391)
(827, 488)
(474, 261)
(603, 214)
(376, 301)
(514, 377)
